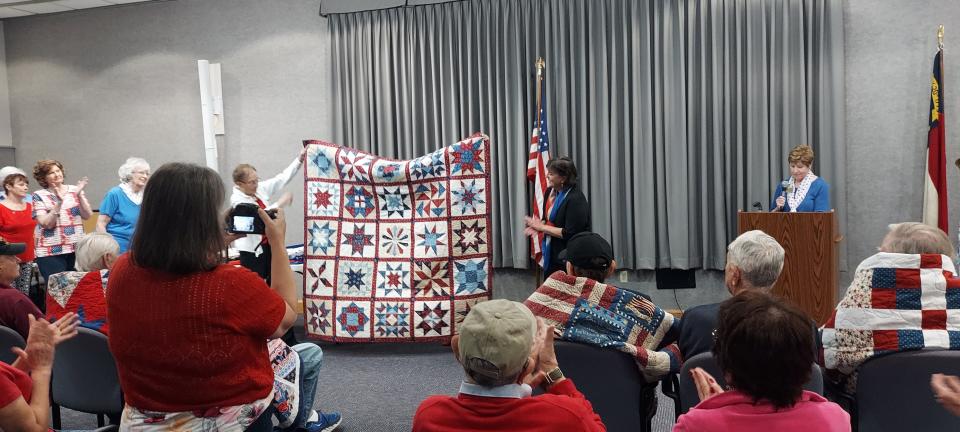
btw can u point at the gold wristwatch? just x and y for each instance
(554, 375)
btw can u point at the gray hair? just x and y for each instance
(126, 170)
(917, 238)
(758, 256)
(92, 247)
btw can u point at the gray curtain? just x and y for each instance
(677, 112)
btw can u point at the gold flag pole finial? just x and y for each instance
(940, 37)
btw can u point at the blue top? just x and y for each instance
(817, 199)
(123, 215)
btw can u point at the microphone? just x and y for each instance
(757, 206)
(785, 186)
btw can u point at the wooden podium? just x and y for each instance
(809, 278)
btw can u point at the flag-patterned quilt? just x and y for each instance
(896, 302)
(395, 250)
(590, 312)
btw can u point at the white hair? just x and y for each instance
(758, 256)
(92, 247)
(126, 170)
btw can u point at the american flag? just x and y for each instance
(537, 173)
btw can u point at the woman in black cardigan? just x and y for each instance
(565, 213)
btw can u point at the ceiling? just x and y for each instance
(19, 8)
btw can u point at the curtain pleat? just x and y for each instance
(677, 113)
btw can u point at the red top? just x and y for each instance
(14, 383)
(17, 226)
(191, 342)
(562, 408)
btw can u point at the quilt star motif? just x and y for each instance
(396, 250)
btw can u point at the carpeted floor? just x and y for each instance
(378, 387)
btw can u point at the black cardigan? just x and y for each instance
(573, 216)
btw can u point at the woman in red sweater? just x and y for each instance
(189, 334)
(17, 224)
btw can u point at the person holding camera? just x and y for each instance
(189, 333)
(254, 248)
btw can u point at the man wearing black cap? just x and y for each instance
(14, 306)
(589, 255)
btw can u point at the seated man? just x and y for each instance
(588, 311)
(754, 262)
(14, 305)
(504, 351)
(899, 300)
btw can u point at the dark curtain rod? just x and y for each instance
(405, 4)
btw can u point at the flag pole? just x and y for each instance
(540, 64)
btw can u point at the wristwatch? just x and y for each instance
(554, 375)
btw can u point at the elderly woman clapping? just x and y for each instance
(120, 208)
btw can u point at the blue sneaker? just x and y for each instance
(327, 423)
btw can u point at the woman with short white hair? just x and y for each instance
(83, 291)
(120, 208)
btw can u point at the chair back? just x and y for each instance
(893, 392)
(85, 375)
(612, 382)
(688, 390)
(9, 338)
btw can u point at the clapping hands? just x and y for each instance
(44, 337)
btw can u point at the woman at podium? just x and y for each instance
(803, 191)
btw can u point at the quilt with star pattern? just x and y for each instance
(395, 251)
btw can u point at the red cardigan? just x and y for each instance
(191, 342)
(562, 408)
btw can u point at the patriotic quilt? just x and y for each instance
(896, 302)
(395, 250)
(594, 313)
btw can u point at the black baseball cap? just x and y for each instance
(584, 248)
(11, 248)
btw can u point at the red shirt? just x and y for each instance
(14, 308)
(14, 383)
(191, 342)
(562, 408)
(17, 226)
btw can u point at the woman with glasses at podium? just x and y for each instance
(803, 191)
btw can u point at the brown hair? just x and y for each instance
(241, 171)
(43, 167)
(564, 167)
(180, 230)
(765, 347)
(11, 179)
(802, 154)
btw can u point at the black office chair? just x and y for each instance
(893, 392)
(687, 390)
(9, 338)
(611, 381)
(85, 377)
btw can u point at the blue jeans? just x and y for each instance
(311, 359)
(55, 264)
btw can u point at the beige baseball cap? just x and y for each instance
(496, 338)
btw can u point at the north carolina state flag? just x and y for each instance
(935, 185)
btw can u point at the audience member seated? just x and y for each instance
(83, 291)
(754, 262)
(504, 351)
(25, 385)
(189, 334)
(586, 310)
(14, 305)
(899, 300)
(763, 349)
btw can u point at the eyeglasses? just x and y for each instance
(251, 181)
(143, 172)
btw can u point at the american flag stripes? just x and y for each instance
(537, 173)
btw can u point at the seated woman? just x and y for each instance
(25, 385)
(83, 291)
(763, 348)
(189, 334)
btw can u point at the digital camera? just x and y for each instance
(243, 219)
